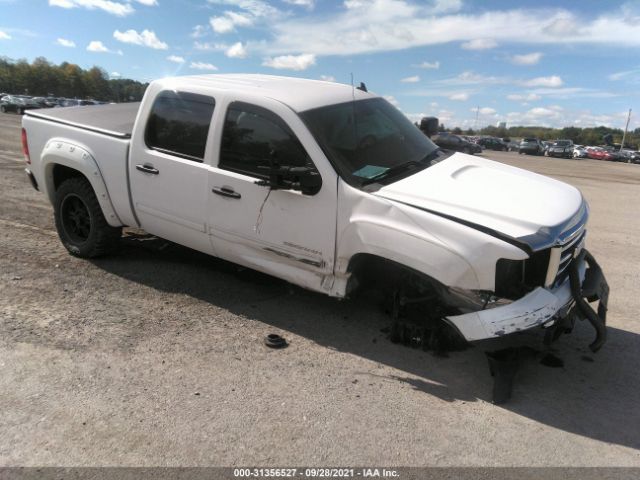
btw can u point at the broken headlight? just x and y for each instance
(474, 300)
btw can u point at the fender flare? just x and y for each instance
(64, 152)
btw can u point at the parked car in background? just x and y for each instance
(449, 141)
(579, 151)
(614, 154)
(17, 103)
(42, 102)
(598, 153)
(492, 143)
(561, 148)
(531, 146)
(630, 156)
(74, 102)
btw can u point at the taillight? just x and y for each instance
(25, 146)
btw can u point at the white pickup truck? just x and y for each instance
(326, 186)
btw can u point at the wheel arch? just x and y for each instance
(61, 160)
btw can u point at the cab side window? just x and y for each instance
(179, 124)
(254, 138)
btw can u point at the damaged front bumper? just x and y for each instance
(546, 307)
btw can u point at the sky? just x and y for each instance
(469, 62)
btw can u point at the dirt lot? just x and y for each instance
(154, 357)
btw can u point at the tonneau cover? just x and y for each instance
(115, 120)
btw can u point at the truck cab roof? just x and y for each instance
(299, 94)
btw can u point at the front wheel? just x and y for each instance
(81, 225)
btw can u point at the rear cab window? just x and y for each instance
(178, 124)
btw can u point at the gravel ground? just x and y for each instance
(154, 356)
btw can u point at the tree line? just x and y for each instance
(43, 78)
(580, 136)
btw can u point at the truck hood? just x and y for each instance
(516, 203)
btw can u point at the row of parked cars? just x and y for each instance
(562, 148)
(20, 103)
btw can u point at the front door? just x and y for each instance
(281, 232)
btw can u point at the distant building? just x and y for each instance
(501, 124)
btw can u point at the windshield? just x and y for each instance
(562, 143)
(379, 140)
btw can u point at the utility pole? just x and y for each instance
(624, 135)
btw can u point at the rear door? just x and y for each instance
(169, 179)
(282, 232)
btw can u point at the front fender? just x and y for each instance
(405, 247)
(65, 152)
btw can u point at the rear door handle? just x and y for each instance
(226, 192)
(147, 168)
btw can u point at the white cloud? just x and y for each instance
(530, 97)
(4, 36)
(552, 82)
(446, 6)
(412, 79)
(148, 3)
(114, 75)
(237, 50)
(527, 59)
(63, 42)
(203, 66)
(210, 47)
(392, 100)
(480, 44)
(632, 75)
(328, 78)
(146, 38)
(291, 62)
(97, 46)
(222, 24)
(257, 8)
(176, 59)
(112, 7)
(367, 26)
(484, 111)
(199, 31)
(302, 3)
(252, 11)
(461, 96)
(427, 65)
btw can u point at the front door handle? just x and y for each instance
(148, 168)
(226, 192)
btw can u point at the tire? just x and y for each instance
(3, 109)
(81, 225)
(467, 151)
(20, 111)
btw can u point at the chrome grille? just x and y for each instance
(562, 255)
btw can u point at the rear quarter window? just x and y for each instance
(178, 124)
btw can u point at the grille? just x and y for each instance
(561, 256)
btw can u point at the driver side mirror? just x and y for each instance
(429, 126)
(302, 179)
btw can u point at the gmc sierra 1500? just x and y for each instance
(325, 186)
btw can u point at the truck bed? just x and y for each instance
(113, 120)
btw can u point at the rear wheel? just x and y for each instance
(80, 222)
